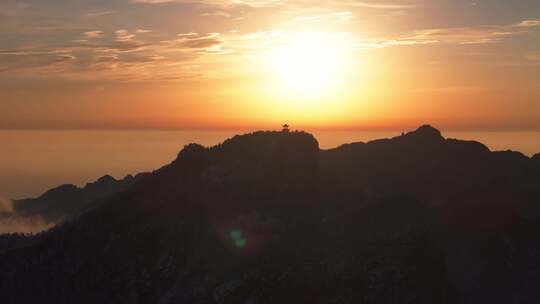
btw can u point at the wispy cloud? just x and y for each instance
(333, 17)
(124, 35)
(219, 3)
(31, 59)
(385, 5)
(459, 35)
(533, 56)
(195, 40)
(223, 14)
(98, 13)
(125, 55)
(528, 23)
(392, 5)
(153, 1)
(93, 34)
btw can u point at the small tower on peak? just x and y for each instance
(285, 128)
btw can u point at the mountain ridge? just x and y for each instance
(69, 200)
(269, 217)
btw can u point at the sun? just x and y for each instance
(308, 62)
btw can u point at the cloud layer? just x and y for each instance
(145, 39)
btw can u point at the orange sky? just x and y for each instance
(173, 64)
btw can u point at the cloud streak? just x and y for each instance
(384, 5)
(462, 35)
(93, 34)
(98, 14)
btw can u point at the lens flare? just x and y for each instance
(238, 240)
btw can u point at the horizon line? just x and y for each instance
(261, 128)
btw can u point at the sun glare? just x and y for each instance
(308, 63)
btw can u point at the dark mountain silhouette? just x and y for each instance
(431, 167)
(536, 160)
(69, 200)
(269, 218)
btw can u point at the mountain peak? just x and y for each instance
(191, 149)
(428, 129)
(261, 137)
(426, 132)
(265, 154)
(54, 193)
(106, 179)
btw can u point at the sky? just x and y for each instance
(217, 64)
